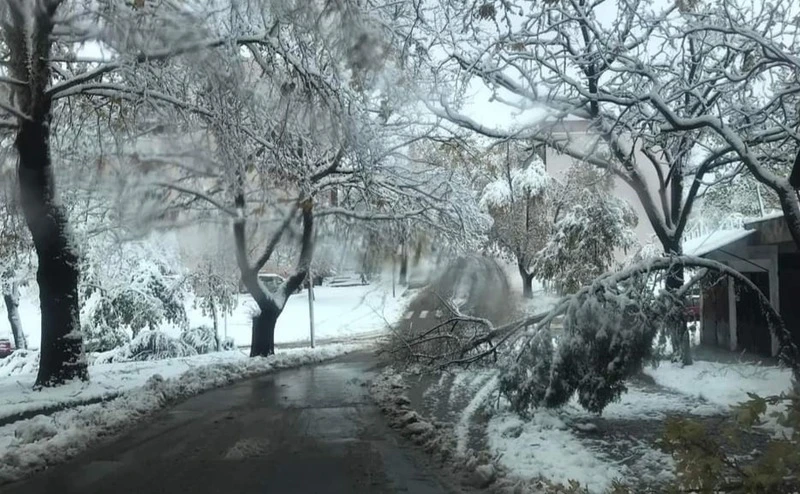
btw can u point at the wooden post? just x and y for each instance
(311, 304)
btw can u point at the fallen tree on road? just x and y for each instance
(611, 329)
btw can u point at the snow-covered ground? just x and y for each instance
(142, 388)
(725, 384)
(572, 444)
(550, 445)
(339, 312)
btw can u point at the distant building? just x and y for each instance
(558, 164)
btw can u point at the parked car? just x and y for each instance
(272, 281)
(692, 309)
(6, 347)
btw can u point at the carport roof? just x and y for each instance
(702, 245)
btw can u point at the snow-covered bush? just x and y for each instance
(144, 304)
(148, 345)
(608, 337)
(101, 338)
(203, 339)
(228, 344)
(131, 286)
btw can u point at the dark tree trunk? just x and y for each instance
(418, 253)
(677, 322)
(62, 357)
(263, 341)
(404, 268)
(527, 281)
(11, 298)
(215, 318)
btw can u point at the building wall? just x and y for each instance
(789, 283)
(558, 164)
(747, 326)
(715, 315)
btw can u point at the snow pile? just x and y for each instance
(434, 437)
(545, 447)
(33, 444)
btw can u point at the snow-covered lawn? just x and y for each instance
(143, 387)
(725, 384)
(339, 312)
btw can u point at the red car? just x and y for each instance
(5, 347)
(692, 309)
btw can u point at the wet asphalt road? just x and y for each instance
(312, 429)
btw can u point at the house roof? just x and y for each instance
(771, 216)
(702, 245)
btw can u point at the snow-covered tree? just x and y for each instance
(46, 67)
(129, 287)
(646, 121)
(516, 200)
(14, 256)
(591, 225)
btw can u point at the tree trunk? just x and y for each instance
(62, 357)
(418, 253)
(263, 341)
(791, 212)
(404, 268)
(215, 318)
(11, 298)
(677, 323)
(527, 281)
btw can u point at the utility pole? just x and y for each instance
(311, 304)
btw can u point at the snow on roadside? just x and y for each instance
(30, 445)
(728, 384)
(488, 384)
(545, 447)
(106, 381)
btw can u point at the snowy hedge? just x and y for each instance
(19, 362)
(148, 345)
(102, 338)
(203, 339)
